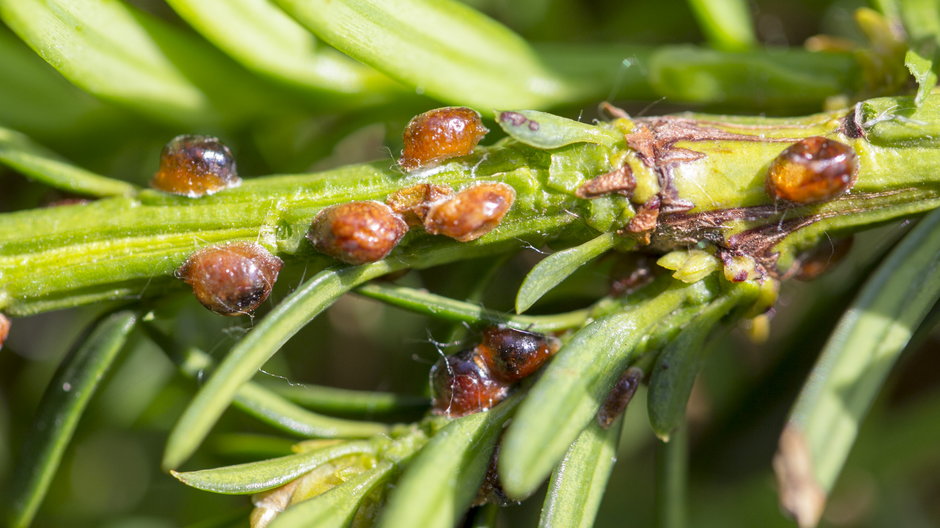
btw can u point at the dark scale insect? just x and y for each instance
(357, 232)
(820, 259)
(440, 134)
(231, 279)
(413, 203)
(812, 170)
(4, 329)
(512, 355)
(461, 385)
(491, 489)
(471, 213)
(619, 396)
(195, 166)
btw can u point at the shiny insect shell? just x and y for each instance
(231, 279)
(814, 169)
(513, 355)
(195, 166)
(440, 134)
(357, 232)
(472, 212)
(4, 329)
(461, 385)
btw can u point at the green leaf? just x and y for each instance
(852, 368)
(548, 131)
(264, 404)
(578, 483)
(61, 407)
(299, 308)
(566, 397)
(726, 23)
(921, 69)
(164, 72)
(443, 48)
(347, 402)
(20, 153)
(336, 506)
(264, 39)
(557, 267)
(255, 477)
(678, 364)
(446, 474)
(36, 100)
(442, 307)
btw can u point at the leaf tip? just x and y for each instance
(800, 494)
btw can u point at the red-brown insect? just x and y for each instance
(619, 396)
(231, 279)
(413, 203)
(4, 329)
(461, 385)
(512, 355)
(195, 166)
(812, 170)
(471, 213)
(357, 232)
(440, 134)
(820, 259)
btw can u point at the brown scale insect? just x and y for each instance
(812, 170)
(820, 259)
(231, 279)
(491, 489)
(4, 329)
(461, 385)
(471, 213)
(619, 396)
(357, 232)
(512, 355)
(195, 166)
(413, 203)
(440, 134)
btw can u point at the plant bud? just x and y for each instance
(440, 134)
(195, 166)
(357, 232)
(811, 170)
(231, 279)
(512, 355)
(471, 213)
(462, 385)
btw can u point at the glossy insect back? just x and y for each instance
(195, 166)
(476, 379)
(512, 355)
(4, 329)
(231, 279)
(440, 134)
(811, 170)
(461, 385)
(471, 213)
(357, 232)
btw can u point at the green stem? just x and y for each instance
(129, 246)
